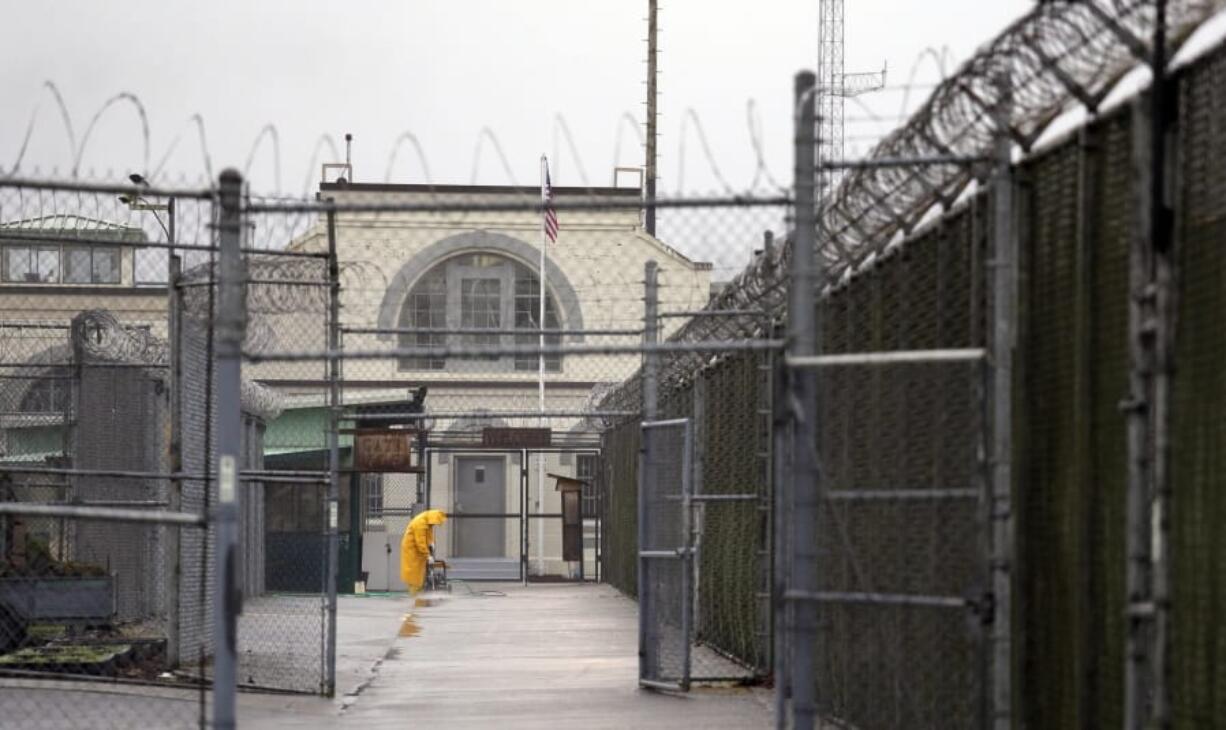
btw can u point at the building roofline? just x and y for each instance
(436, 385)
(474, 189)
(61, 224)
(60, 289)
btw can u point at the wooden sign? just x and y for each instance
(516, 438)
(384, 450)
(572, 516)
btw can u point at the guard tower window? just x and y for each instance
(49, 395)
(53, 264)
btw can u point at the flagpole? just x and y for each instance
(540, 372)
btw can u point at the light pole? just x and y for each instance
(138, 202)
(175, 446)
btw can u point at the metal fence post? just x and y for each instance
(781, 425)
(174, 547)
(697, 512)
(230, 328)
(1151, 322)
(649, 395)
(1137, 409)
(1163, 108)
(802, 341)
(1004, 313)
(174, 556)
(524, 476)
(334, 464)
(651, 335)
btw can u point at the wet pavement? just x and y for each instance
(484, 655)
(498, 655)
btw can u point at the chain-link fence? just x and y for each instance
(1081, 221)
(504, 394)
(901, 532)
(1197, 691)
(286, 629)
(502, 399)
(1088, 634)
(885, 477)
(107, 603)
(406, 311)
(109, 448)
(666, 569)
(92, 617)
(965, 577)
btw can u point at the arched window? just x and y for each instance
(477, 291)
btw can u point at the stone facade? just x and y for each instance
(594, 276)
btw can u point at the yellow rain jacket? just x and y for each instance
(415, 547)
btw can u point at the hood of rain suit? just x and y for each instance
(432, 516)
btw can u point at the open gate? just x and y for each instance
(665, 557)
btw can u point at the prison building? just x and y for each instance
(458, 266)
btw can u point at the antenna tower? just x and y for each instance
(833, 86)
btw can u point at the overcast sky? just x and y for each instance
(445, 71)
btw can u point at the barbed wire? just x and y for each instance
(625, 119)
(560, 128)
(954, 120)
(101, 336)
(93, 122)
(198, 120)
(65, 117)
(761, 170)
(275, 285)
(270, 131)
(559, 123)
(324, 138)
(487, 133)
(939, 58)
(1041, 56)
(407, 136)
(690, 118)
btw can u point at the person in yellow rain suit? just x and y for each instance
(417, 548)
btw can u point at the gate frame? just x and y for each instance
(684, 552)
(523, 515)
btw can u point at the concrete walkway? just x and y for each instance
(494, 655)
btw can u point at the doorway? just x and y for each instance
(479, 506)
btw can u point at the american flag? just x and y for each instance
(551, 215)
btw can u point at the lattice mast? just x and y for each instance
(830, 51)
(833, 86)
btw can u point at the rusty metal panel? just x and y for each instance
(384, 450)
(516, 438)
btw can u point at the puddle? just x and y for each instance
(425, 602)
(409, 627)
